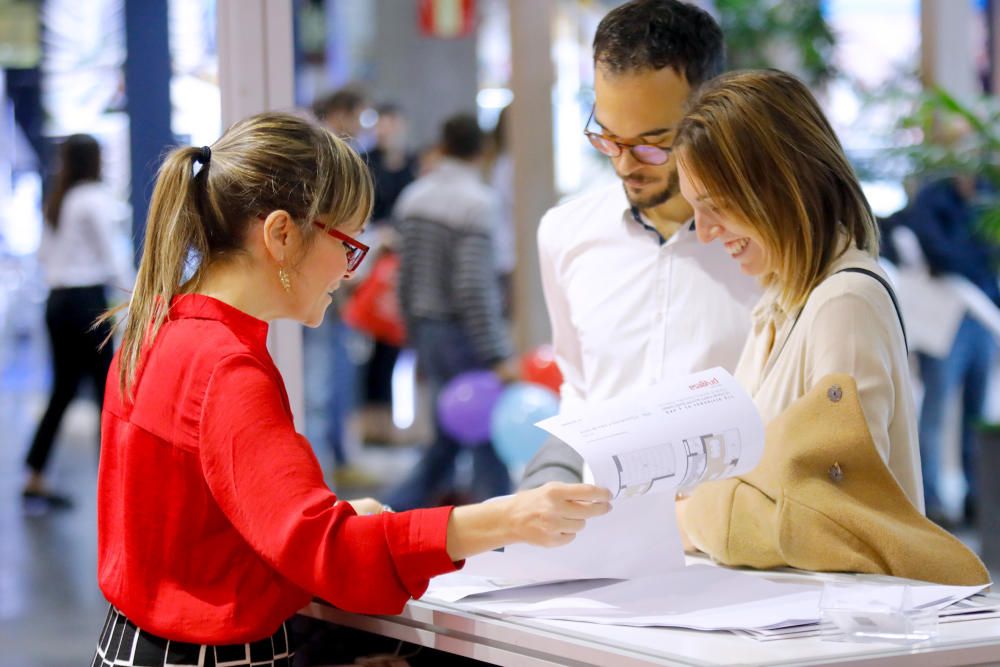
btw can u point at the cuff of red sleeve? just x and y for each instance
(418, 542)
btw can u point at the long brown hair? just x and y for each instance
(267, 162)
(79, 162)
(760, 145)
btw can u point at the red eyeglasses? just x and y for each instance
(356, 250)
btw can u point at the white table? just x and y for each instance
(524, 642)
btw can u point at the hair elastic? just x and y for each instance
(203, 155)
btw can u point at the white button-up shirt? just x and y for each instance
(627, 309)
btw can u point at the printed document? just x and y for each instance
(645, 448)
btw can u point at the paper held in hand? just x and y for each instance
(668, 438)
(645, 448)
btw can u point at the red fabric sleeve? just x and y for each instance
(269, 484)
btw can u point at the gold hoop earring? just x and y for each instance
(283, 277)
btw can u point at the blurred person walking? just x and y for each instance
(340, 113)
(450, 297)
(79, 260)
(943, 217)
(392, 164)
(393, 167)
(501, 179)
(214, 523)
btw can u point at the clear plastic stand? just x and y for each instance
(875, 613)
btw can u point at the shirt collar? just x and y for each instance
(200, 307)
(632, 213)
(769, 309)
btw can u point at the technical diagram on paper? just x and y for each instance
(669, 438)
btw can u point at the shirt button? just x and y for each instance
(836, 473)
(835, 393)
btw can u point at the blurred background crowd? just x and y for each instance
(424, 89)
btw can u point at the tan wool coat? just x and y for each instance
(823, 499)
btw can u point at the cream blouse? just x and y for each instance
(848, 325)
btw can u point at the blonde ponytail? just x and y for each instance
(174, 234)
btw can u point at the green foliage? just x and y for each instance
(786, 34)
(955, 137)
(947, 137)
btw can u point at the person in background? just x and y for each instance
(501, 178)
(81, 259)
(340, 112)
(450, 298)
(393, 167)
(632, 297)
(214, 522)
(943, 215)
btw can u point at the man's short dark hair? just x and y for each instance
(652, 34)
(461, 137)
(344, 100)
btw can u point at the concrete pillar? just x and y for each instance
(947, 54)
(532, 149)
(431, 78)
(993, 44)
(258, 79)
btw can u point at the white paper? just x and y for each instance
(669, 438)
(699, 597)
(460, 585)
(637, 538)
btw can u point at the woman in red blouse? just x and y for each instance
(214, 522)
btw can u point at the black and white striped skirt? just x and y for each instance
(122, 644)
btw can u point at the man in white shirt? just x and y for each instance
(632, 296)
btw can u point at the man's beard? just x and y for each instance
(654, 199)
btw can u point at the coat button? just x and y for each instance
(836, 473)
(835, 393)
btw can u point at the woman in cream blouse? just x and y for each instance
(768, 179)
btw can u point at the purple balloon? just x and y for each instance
(465, 404)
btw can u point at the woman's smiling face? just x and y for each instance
(714, 222)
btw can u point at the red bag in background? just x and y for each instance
(374, 307)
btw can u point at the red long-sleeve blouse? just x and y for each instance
(214, 522)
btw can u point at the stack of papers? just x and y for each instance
(697, 597)
(978, 606)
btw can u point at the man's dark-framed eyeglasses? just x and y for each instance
(644, 153)
(356, 250)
